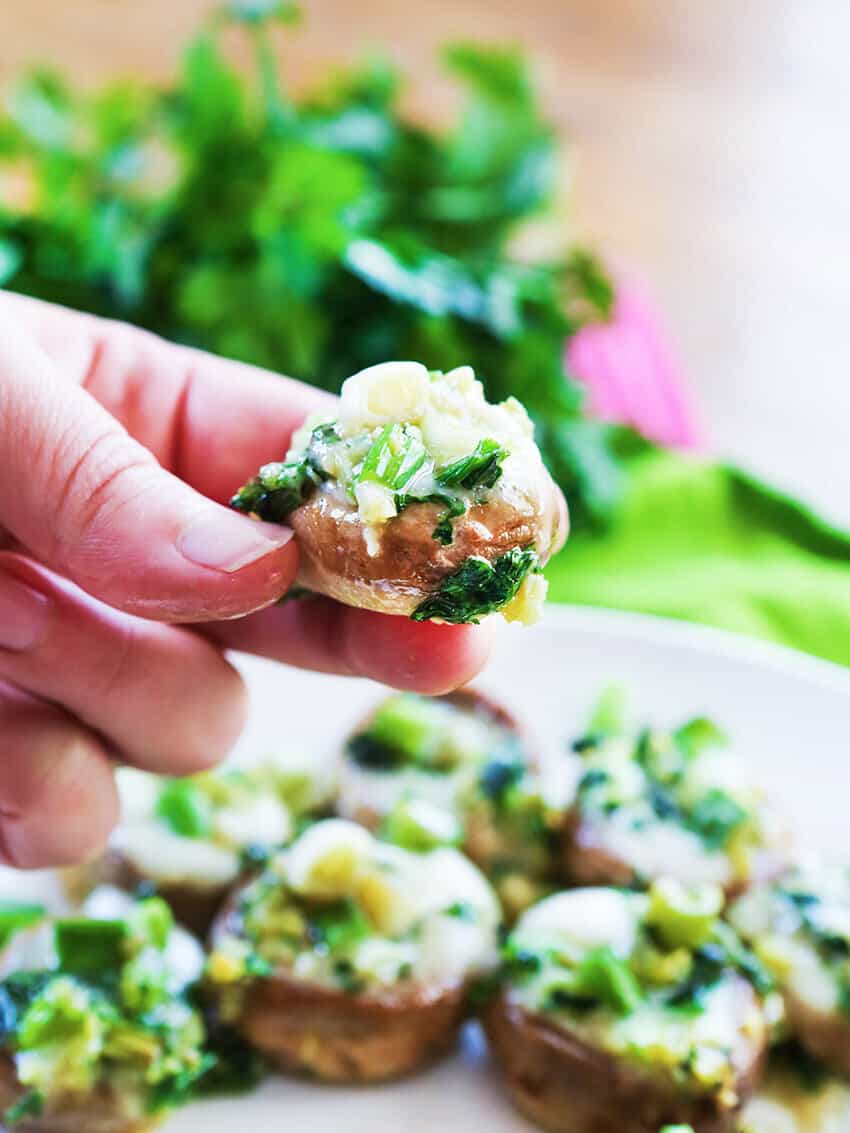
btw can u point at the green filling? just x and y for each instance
(481, 469)
(715, 818)
(18, 915)
(88, 947)
(666, 759)
(279, 488)
(410, 731)
(394, 459)
(601, 977)
(185, 809)
(478, 588)
(113, 1007)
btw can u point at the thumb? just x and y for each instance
(95, 505)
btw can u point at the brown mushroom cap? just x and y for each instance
(411, 563)
(566, 1085)
(304, 1027)
(102, 1111)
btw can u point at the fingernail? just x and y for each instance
(226, 541)
(24, 615)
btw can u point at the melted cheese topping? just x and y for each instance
(432, 917)
(706, 1045)
(249, 811)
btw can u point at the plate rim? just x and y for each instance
(702, 638)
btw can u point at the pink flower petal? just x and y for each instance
(631, 374)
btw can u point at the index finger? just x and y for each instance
(210, 421)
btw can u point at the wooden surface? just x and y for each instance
(711, 156)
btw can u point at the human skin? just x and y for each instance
(124, 577)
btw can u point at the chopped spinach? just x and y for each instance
(478, 588)
(454, 505)
(480, 469)
(366, 751)
(499, 774)
(715, 817)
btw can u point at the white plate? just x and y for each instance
(788, 715)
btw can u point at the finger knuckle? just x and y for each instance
(93, 488)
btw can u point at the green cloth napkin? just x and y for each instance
(707, 543)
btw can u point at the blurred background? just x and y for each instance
(699, 150)
(710, 158)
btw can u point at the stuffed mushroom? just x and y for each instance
(191, 839)
(668, 803)
(799, 926)
(624, 1012)
(458, 770)
(98, 1030)
(418, 497)
(349, 959)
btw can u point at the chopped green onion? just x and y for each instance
(87, 947)
(605, 976)
(684, 916)
(394, 458)
(185, 809)
(408, 724)
(697, 735)
(17, 915)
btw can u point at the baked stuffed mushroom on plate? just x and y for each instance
(98, 1031)
(418, 497)
(624, 1012)
(458, 770)
(189, 840)
(349, 959)
(659, 803)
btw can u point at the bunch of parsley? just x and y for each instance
(312, 236)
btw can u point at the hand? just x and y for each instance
(114, 447)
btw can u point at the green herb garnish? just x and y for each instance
(454, 505)
(394, 458)
(481, 469)
(18, 915)
(185, 809)
(697, 735)
(89, 948)
(715, 817)
(478, 588)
